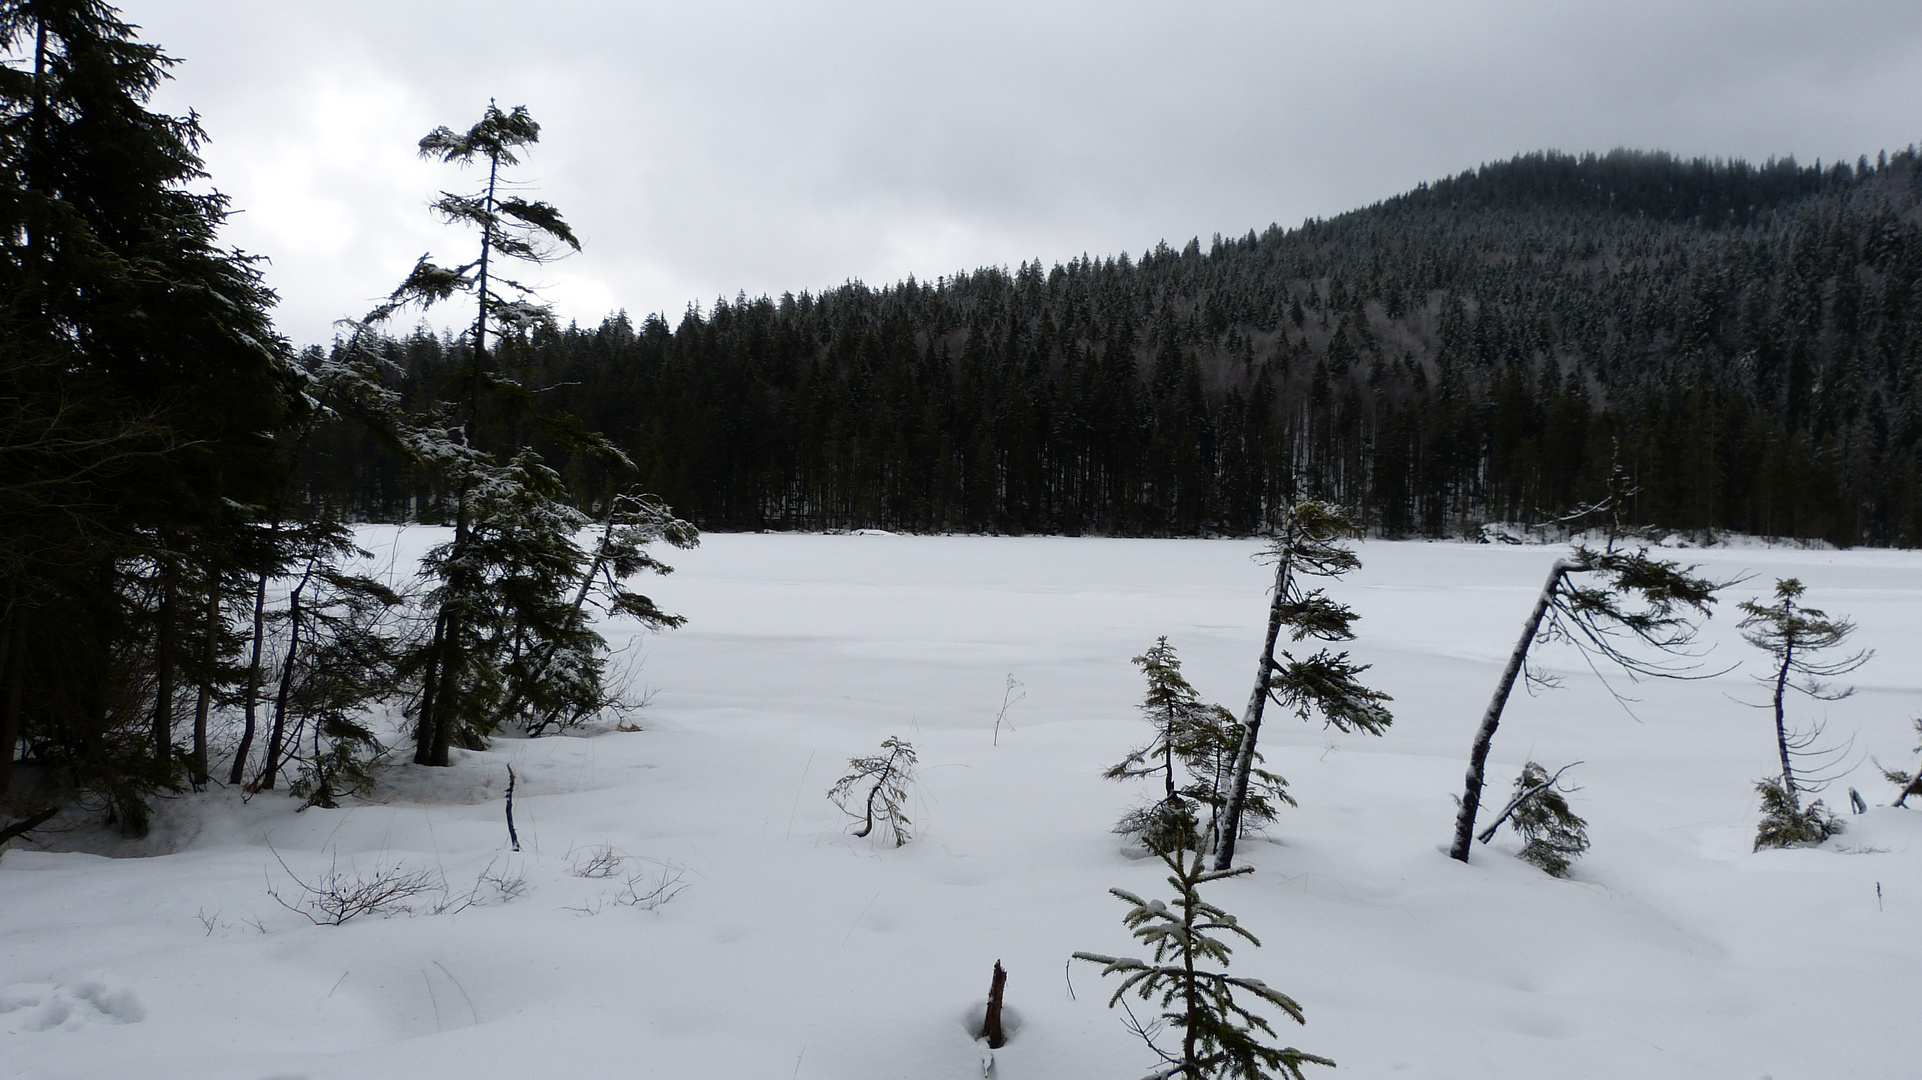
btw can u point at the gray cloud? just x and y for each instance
(705, 149)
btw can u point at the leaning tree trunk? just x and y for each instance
(276, 739)
(251, 703)
(1251, 726)
(1478, 757)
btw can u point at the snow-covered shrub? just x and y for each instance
(1552, 835)
(1786, 823)
(886, 776)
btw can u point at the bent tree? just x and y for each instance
(1308, 543)
(1604, 603)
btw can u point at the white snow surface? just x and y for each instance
(798, 951)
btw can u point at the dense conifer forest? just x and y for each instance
(1745, 341)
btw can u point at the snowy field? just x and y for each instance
(797, 951)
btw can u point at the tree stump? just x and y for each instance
(991, 1025)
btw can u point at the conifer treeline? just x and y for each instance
(1745, 341)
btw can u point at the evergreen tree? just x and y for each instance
(140, 384)
(1787, 821)
(1633, 598)
(1307, 543)
(1553, 835)
(886, 776)
(1175, 711)
(1205, 740)
(1909, 783)
(507, 642)
(1792, 634)
(1220, 1037)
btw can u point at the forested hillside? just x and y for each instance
(1744, 341)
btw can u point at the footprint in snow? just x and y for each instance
(67, 1006)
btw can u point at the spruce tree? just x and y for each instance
(1597, 601)
(1308, 542)
(510, 638)
(1792, 634)
(1174, 710)
(141, 383)
(1220, 1036)
(1205, 740)
(886, 777)
(1553, 835)
(1907, 782)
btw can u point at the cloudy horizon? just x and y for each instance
(706, 151)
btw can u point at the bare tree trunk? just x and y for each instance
(1251, 726)
(163, 706)
(28, 824)
(209, 653)
(276, 739)
(14, 666)
(250, 703)
(429, 689)
(439, 734)
(1478, 756)
(513, 837)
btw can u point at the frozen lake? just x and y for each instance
(797, 951)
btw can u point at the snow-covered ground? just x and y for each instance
(795, 950)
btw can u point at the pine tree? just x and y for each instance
(510, 639)
(1205, 740)
(1307, 543)
(140, 384)
(1553, 835)
(1791, 634)
(1220, 1037)
(1634, 598)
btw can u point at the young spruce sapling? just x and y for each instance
(886, 777)
(1220, 1036)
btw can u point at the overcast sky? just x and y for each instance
(702, 149)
